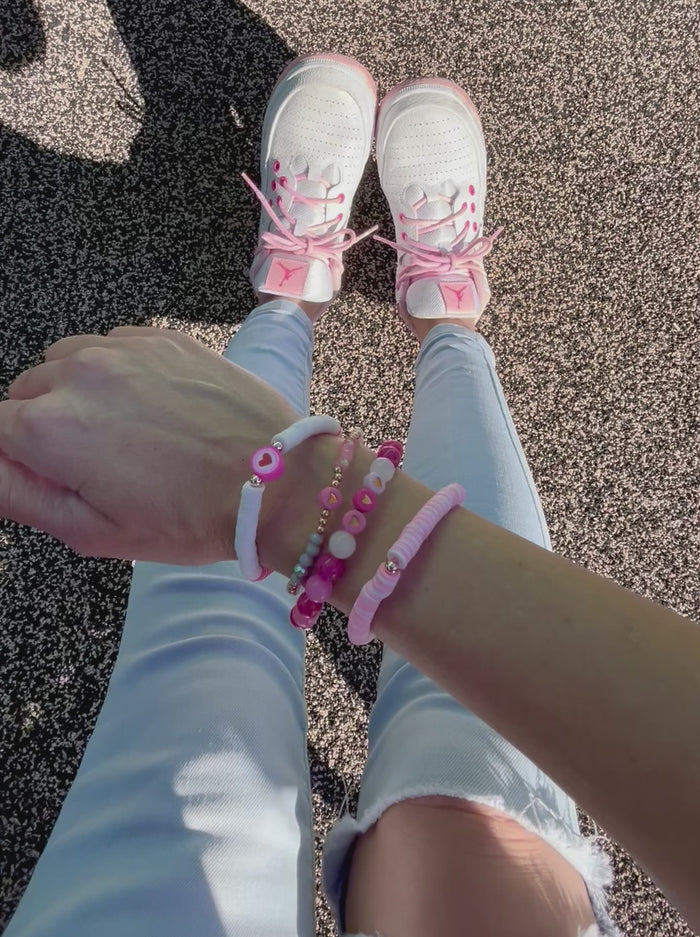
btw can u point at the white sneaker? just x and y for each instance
(431, 158)
(317, 136)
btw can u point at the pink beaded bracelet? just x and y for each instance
(330, 566)
(412, 538)
(267, 464)
(330, 499)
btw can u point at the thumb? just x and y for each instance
(39, 502)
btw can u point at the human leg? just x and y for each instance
(450, 814)
(191, 811)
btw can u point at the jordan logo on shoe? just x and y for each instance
(291, 277)
(458, 294)
(457, 297)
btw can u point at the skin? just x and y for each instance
(136, 444)
(430, 864)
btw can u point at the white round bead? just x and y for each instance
(384, 468)
(374, 482)
(342, 544)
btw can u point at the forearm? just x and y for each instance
(598, 686)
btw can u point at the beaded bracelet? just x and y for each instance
(330, 566)
(412, 537)
(330, 499)
(268, 464)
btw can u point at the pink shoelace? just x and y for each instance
(327, 246)
(436, 261)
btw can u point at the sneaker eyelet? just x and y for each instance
(279, 199)
(276, 166)
(273, 185)
(341, 198)
(472, 190)
(402, 218)
(404, 236)
(473, 208)
(283, 180)
(475, 226)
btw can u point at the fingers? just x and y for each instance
(36, 381)
(30, 499)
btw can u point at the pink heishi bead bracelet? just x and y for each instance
(330, 566)
(412, 538)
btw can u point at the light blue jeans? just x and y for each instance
(191, 811)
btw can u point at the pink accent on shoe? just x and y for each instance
(432, 262)
(456, 297)
(472, 190)
(288, 275)
(326, 246)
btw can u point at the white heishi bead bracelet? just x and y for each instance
(267, 464)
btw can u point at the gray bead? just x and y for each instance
(299, 570)
(316, 538)
(313, 549)
(305, 560)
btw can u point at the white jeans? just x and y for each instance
(190, 815)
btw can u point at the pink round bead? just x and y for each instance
(307, 606)
(330, 498)
(329, 567)
(318, 589)
(267, 463)
(391, 450)
(364, 500)
(303, 622)
(354, 522)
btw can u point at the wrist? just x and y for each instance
(288, 517)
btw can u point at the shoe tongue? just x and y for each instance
(434, 209)
(434, 298)
(313, 184)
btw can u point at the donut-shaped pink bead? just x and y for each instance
(392, 450)
(330, 498)
(267, 463)
(354, 522)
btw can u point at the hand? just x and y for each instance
(135, 445)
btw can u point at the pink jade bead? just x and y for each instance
(318, 589)
(307, 606)
(302, 622)
(329, 567)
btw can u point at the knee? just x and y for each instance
(435, 864)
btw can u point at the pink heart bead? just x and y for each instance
(364, 500)
(267, 463)
(329, 567)
(354, 522)
(330, 498)
(317, 589)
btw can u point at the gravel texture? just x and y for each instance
(124, 127)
